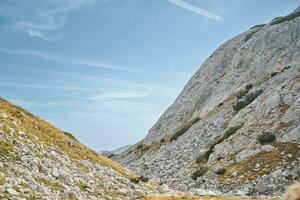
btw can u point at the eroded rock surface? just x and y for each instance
(249, 88)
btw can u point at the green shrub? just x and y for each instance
(230, 132)
(184, 129)
(83, 187)
(200, 159)
(248, 87)
(289, 17)
(247, 100)
(220, 171)
(162, 140)
(199, 172)
(274, 74)
(143, 147)
(266, 138)
(204, 157)
(136, 180)
(144, 179)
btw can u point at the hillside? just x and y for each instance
(234, 128)
(38, 161)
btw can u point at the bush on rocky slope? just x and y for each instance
(184, 129)
(204, 157)
(266, 138)
(249, 98)
(199, 172)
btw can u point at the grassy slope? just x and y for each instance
(44, 133)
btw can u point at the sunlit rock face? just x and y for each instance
(240, 112)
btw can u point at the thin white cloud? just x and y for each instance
(44, 21)
(118, 95)
(59, 59)
(43, 36)
(35, 86)
(196, 9)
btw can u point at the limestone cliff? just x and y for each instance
(235, 125)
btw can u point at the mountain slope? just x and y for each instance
(39, 161)
(235, 125)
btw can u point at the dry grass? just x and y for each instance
(267, 160)
(40, 131)
(194, 197)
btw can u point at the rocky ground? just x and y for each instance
(39, 161)
(235, 126)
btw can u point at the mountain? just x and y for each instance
(121, 149)
(38, 161)
(111, 154)
(234, 128)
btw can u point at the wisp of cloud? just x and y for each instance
(196, 10)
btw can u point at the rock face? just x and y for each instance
(235, 126)
(38, 161)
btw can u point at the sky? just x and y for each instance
(106, 70)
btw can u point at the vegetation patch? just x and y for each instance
(6, 151)
(2, 181)
(268, 160)
(249, 98)
(195, 197)
(50, 184)
(184, 129)
(204, 157)
(143, 147)
(199, 172)
(136, 180)
(83, 187)
(289, 17)
(266, 138)
(46, 134)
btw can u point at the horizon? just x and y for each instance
(105, 71)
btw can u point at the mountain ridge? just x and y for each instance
(241, 106)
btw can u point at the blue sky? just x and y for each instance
(105, 70)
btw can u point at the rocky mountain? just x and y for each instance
(38, 161)
(234, 128)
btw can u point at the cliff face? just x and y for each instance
(235, 125)
(38, 161)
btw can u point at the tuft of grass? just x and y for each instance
(83, 187)
(266, 138)
(53, 185)
(289, 17)
(199, 172)
(2, 181)
(136, 180)
(6, 151)
(184, 129)
(249, 98)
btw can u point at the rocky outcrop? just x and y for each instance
(38, 161)
(235, 126)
